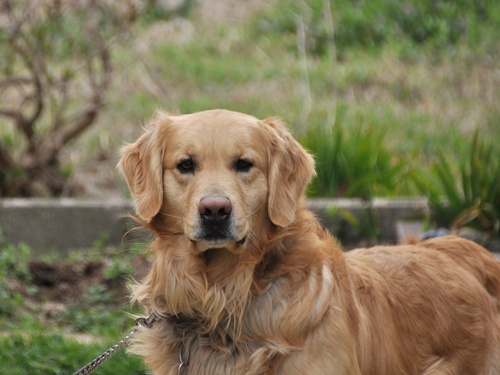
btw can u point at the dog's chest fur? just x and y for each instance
(235, 327)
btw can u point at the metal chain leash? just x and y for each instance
(146, 322)
(183, 363)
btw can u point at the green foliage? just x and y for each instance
(207, 63)
(349, 228)
(14, 260)
(96, 313)
(384, 49)
(118, 270)
(13, 272)
(372, 23)
(472, 199)
(55, 354)
(48, 346)
(353, 160)
(155, 12)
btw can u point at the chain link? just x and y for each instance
(183, 363)
(146, 322)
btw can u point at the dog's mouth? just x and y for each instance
(214, 252)
(223, 233)
(218, 242)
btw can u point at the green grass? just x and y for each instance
(56, 354)
(34, 340)
(30, 345)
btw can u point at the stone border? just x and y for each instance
(67, 224)
(389, 219)
(63, 224)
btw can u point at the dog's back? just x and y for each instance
(474, 259)
(486, 269)
(433, 305)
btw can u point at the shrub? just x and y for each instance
(54, 74)
(473, 198)
(352, 161)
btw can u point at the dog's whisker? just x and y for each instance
(255, 211)
(170, 215)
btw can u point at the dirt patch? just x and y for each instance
(68, 283)
(65, 282)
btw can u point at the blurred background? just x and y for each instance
(394, 97)
(389, 86)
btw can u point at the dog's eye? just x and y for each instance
(186, 166)
(243, 165)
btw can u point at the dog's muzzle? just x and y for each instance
(216, 225)
(215, 218)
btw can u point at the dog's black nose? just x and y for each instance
(215, 209)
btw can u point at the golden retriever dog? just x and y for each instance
(246, 281)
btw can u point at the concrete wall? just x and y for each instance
(388, 219)
(66, 224)
(63, 224)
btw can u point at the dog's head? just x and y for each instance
(216, 176)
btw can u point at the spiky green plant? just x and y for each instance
(352, 160)
(469, 196)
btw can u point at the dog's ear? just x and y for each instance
(290, 170)
(141, 164)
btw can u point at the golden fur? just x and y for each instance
(275, 294)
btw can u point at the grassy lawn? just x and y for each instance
(56, 323)
(53, 353)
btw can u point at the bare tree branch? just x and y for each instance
(14, 81)
(25, 123)
(6, 160)
(99, 84)
(55, 80)
(14, 115)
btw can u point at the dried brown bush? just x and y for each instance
(55, 70)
